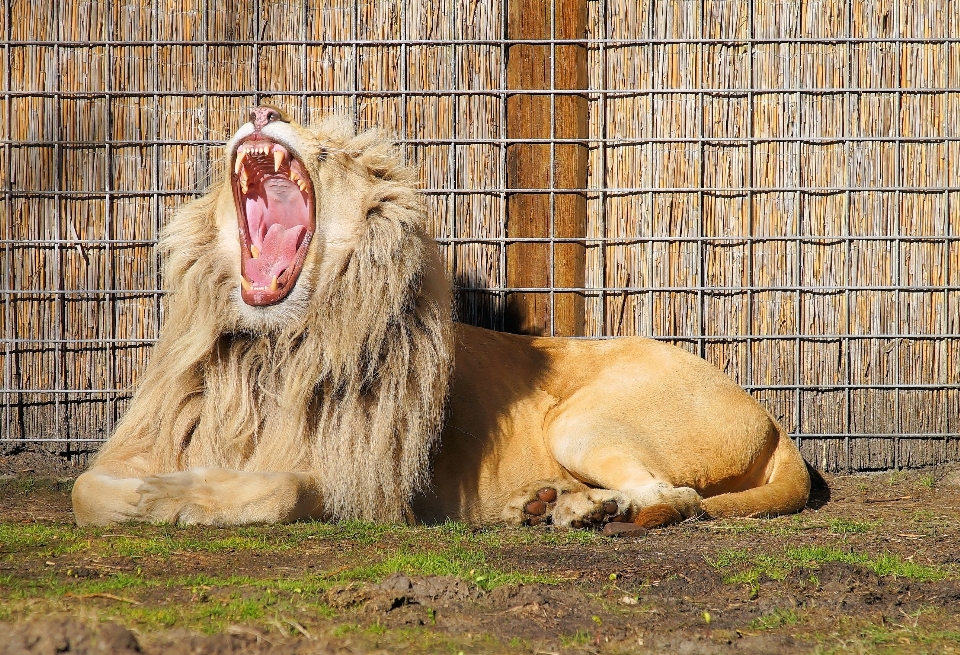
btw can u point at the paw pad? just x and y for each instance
(540, 510)
(608, 512)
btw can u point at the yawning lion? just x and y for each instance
(308, 367)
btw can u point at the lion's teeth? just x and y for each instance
(246, 284)
(254, 251)
(273, 284)
(299, 181)
(243, 185)
(277, 160)
(240, 155)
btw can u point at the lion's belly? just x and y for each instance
(493, 442)
(484, 457)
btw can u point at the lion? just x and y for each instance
(309, 367)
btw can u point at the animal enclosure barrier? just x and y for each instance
(773, 185)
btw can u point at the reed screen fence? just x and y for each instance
(773, 185)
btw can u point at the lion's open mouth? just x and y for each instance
(274, 197)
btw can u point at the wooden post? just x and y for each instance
(529, 166)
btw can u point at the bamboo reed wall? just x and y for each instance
(774, 185)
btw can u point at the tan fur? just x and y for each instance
(330, 404)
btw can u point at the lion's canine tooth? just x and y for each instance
(241, 153)
(243, 186)
(273, 284)
(246, 284)
(254, 251)
(277, 160)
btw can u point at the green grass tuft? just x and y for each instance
(776, 619)
(738, 566)
(845, 526)
(41, 540)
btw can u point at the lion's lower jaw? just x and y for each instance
(270, 319)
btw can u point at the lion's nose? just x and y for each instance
(260, 116)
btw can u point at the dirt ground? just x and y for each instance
(872, 565)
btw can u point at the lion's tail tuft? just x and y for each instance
(785, 492)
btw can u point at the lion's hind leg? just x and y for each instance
(653, 505)
(534, 504)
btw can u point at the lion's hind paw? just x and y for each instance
(592, 509)
(535, 503)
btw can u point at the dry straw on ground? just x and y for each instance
(774, 185)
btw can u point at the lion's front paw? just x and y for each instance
(176, 498)
(102, 499)
(535, 503)
(592, 509)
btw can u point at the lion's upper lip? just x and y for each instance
(275, 199)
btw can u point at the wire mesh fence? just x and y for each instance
(772, 185)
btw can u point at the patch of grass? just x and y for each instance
(39, 540)
(928, 480)
(451, 549)
(200, 602)
(418, 639)
(896, 477)
(776, 619)
(54, 585)
(165, 545)
(521, 644)
(578, 639)
(789, 526)
(211, 603)
(907, 638)
(883, 564)
(735, 526)
(42, 540)
(846, 526)
(457, 562)
(777, 526)
(363, 533)
(208, 614)
(345, 629)
(741, 566)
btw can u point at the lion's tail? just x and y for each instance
(786, 491)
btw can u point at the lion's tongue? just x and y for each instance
(276, 255)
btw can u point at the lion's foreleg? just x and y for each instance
(213, 496)
(101, 497)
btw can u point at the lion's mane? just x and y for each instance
(351, 387)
